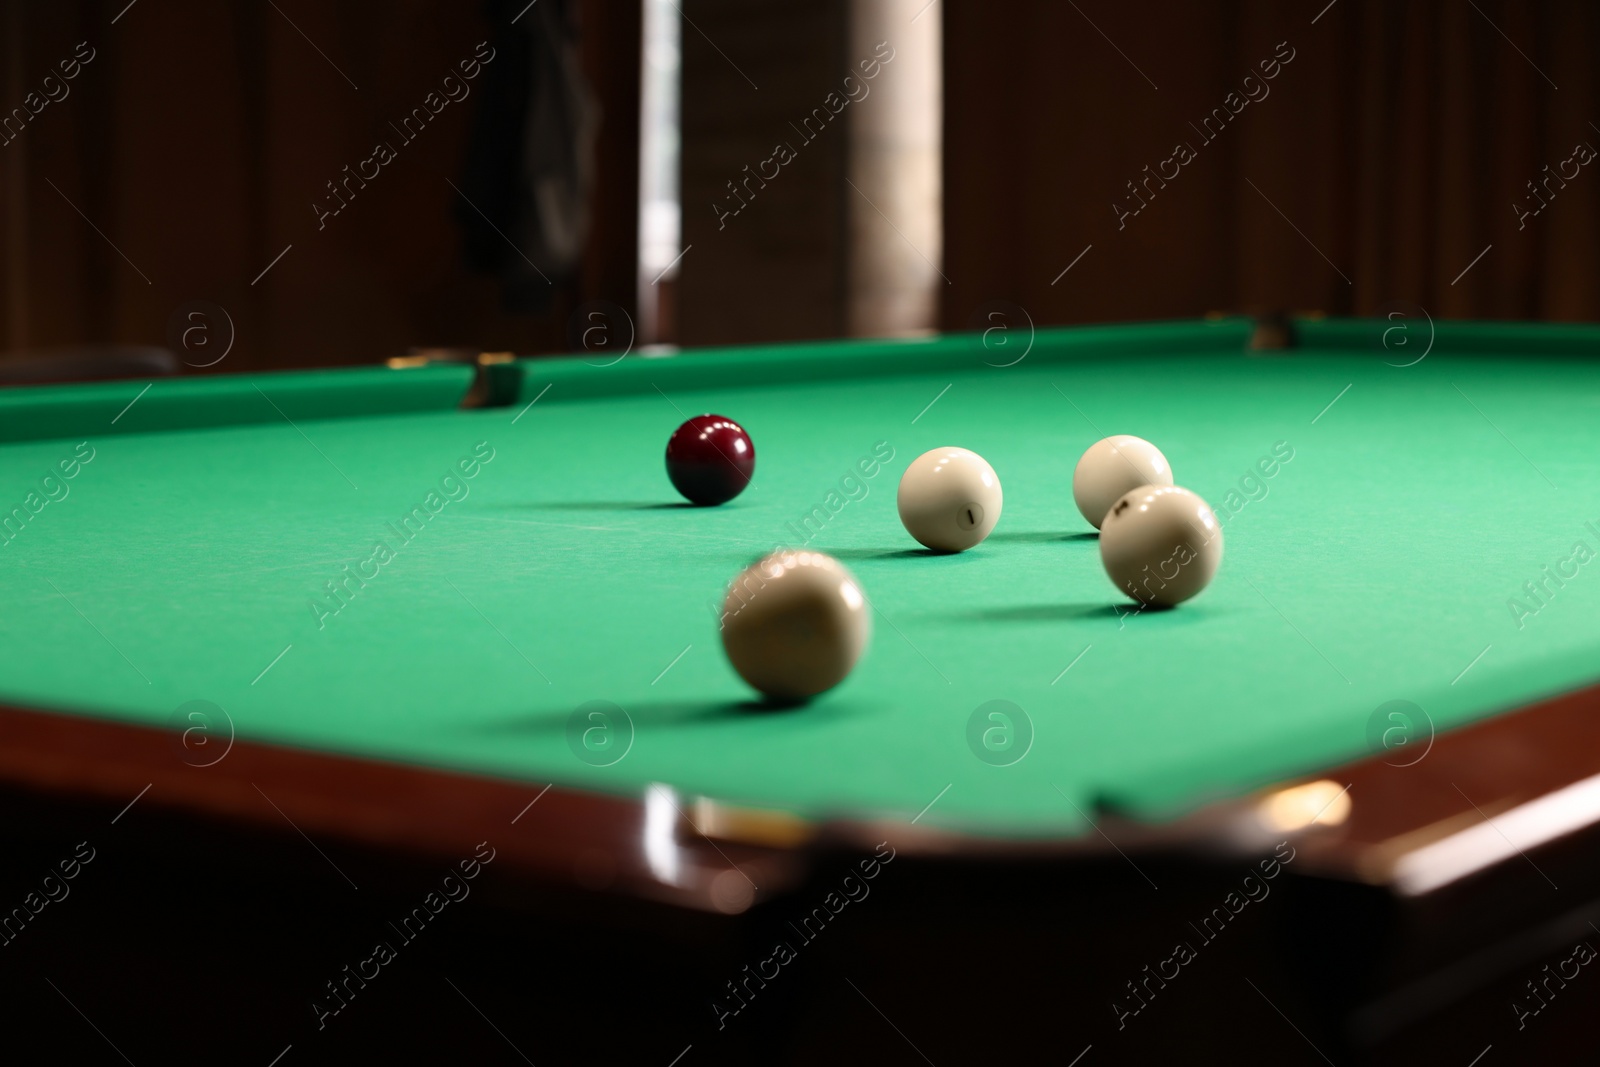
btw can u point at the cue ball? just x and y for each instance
(793, 624)
(1160, 545)
(949, 499)
(1113, 466)
(710, 459)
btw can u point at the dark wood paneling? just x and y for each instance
(199, 138)
(611, 41)
(1395, 143)
(775, 270)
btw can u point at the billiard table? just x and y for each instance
(305, 661)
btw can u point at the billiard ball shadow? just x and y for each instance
(683, 713)
(770, 705)
(1043, 613)
(538, 722)
(821, 707)
(859, 554)
(1040, 537)
(606, 505)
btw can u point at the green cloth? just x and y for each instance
(1379, 564)
(104, 408)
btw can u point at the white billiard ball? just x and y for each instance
(949, 499)
(794, 624)
(1113, 466)
(1160, 545)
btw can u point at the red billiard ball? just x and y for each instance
(710, 459)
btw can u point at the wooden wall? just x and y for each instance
(198, 138)
(767, 258)
(1380, 162)
(1376, 166)
(1382, 158)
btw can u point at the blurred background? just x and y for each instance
(285, 183)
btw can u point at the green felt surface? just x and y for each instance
(1378, 565)
(105, 408)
